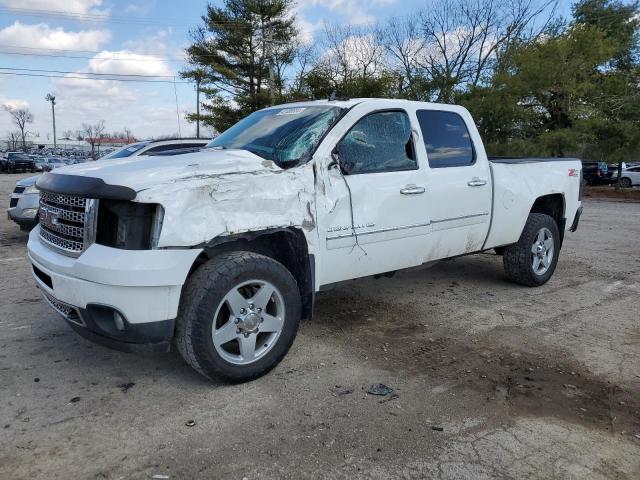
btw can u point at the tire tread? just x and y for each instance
(221, 269)
(516, 258)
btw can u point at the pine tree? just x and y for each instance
(242, 50)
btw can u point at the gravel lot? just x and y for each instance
(493, 380)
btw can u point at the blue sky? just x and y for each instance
(141, 38)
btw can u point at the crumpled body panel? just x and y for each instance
(204, 206)
(213, 192)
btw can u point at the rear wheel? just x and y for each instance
(626, 182)
(533, 259)
(238, 316)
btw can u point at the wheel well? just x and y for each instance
(287, 246)
(552, 205)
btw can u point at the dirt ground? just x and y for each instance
(609, 192)
(491, 380)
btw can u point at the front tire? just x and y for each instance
(238, 316)
(533, 259)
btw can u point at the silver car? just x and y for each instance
(24, 203)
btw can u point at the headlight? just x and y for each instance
(128, 225)
(31, 189)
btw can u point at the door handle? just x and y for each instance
(476, 182)
(412, 190)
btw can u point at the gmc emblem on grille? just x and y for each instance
(48, 216)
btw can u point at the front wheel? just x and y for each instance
(238, 316)
(533, 259)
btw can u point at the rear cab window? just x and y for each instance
(446, 139)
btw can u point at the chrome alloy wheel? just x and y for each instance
(248, 322)
(542, 251)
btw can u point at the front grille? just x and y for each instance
(67, 311)
(13, 202)
(67, 222)
(19, 189)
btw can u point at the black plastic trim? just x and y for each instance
(88, 187)
(114, 344)
(531, 159)
(136, 337)
(576, 220)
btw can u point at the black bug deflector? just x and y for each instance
(80, 186)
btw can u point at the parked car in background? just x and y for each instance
(52, 164)
(630, 177)
(172, 146)
(17, 161)
(24, 202)
(597, 173)
(40, 162)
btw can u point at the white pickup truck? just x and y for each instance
(221, 252)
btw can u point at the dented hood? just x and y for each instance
(140, 173)
(212, 193)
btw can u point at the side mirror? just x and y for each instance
(336, 161)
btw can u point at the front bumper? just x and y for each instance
(142, 287)
(25, 209)
(25, 166)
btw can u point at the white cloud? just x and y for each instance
(123, 62)
(42, 35)
(307, 29)
(140, 8)
(71, 6)
(351, 11)
(148, 109)
(13, 102)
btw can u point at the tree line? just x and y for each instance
(93, 133)
(536, 83)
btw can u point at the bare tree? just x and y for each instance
(305, 59)
(455, 43)
(352, 52)
(68, 134)
(12, 140)
(21, 117)
(92, 134)
(404, 44)
(128, 135)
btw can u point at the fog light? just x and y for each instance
(118, 321)
(29, 211)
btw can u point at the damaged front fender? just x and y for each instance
(203, 206)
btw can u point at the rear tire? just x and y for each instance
(238, 316)
(626, 182)
(533, 259)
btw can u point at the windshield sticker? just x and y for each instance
(291, 111)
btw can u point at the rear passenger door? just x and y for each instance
(459, 185)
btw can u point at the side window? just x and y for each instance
(163, 148)
(446, 139)
(379, 142)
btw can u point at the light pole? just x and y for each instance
(198, 80)
(52, 99)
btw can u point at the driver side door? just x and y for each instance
(374, 217)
